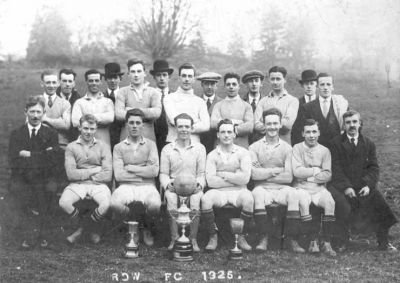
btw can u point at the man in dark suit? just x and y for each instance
(327, 110)
(32, 155)
(253, 80)
(309, 83)
(113, 77)
(161, 73)
(209, 81)
(355, 174)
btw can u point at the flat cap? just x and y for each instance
(209, 76)
(252, 74)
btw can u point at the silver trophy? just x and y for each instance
(132, 247)
(183, 249)
(237, 229)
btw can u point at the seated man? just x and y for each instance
(272, 174)
(135, 163)
(179, 158)
(355, 174)
(228, 170)
(311, 164)
(88, 164)
(32, 154)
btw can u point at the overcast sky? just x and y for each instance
(374, 22)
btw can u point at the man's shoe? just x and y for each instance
(95, 238)
(327, 249)
(212, 243)
(296, 247)
(148, 238)
(388, 247)
(242, 243)
(262, 246)
(313, 248)
(195, 246)
(74, 237)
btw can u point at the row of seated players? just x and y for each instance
(270, 162)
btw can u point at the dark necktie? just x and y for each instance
(33, 133)
(253, 104)
(50, 102)
(112, 94)
(353, 144)
(208, 103)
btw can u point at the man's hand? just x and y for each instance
(350, 193)
(96, 170)
(276, 171)
(316, 170)
(364, 191)
(25, 153)
(199, 188)
(49, 148)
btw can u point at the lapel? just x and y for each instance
(215, 101)
(346, 145)
(302, 100)
(316, 109)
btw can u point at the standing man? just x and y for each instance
(161, 73)
(327, 110)
(68, 91)
(88, 163)
(278, 98)
(57, 115)
(228, 170)
(209, 82)
(179, 158)
(138, 95)
(113, 77)
(272, 173)
(309, 84)
(136, 165)
(234, 109)
(253, 80)
(354, 182)
(96, 104)
(31, 155)
(185, 101)
(312, 171)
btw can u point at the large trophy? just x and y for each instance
(184, 186)
(132, 247)
(237, 229)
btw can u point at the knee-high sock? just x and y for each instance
(209, 221)
(260, 218)
(328, 227)
(292, 224)
(246, 216)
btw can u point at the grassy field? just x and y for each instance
(103, 263)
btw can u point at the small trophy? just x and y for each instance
(183, 249)
(132, 248)
(237, 229)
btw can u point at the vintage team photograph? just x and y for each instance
(199, 141)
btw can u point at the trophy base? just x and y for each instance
(131, 253)
(235, 254)
(183, 251)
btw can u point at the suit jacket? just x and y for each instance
(41, 161)
(116, 126)
(209, 138)
(353, 169)
(161, 127)
(312, 110)
(297, 129)
(73, 133)
(255, 136)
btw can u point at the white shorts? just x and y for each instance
(130, 193)
(87, 190)
(225, 197)
(316, 195)
(279, 196)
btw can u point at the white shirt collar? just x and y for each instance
(322, 99)
(166, 90)
(30, 127)
(212, 97)
(251, 98)
(355, 138)
(47, 97)
(310, 98)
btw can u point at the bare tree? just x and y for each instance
(161, 34)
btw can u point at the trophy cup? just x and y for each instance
(185, 186)
(132, 248)
(237, 229)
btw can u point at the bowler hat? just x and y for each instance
(112, 69)
(252, 74)
(161, 66)
(307, 76)
(209, 76)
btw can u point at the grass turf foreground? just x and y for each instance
(103, 263)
